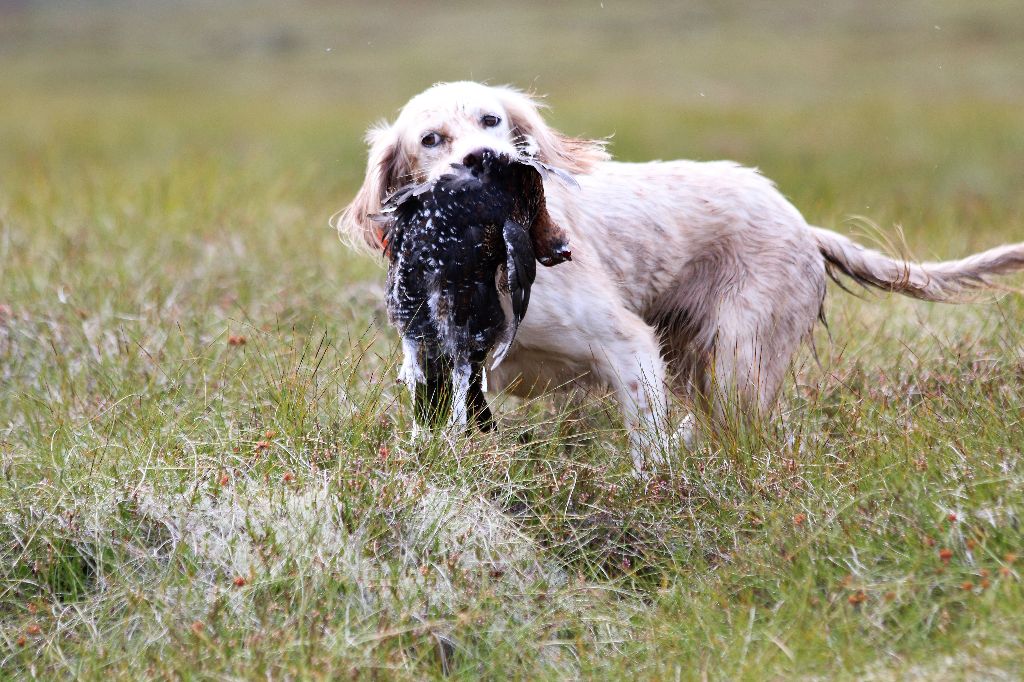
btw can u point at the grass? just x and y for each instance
(177, 503)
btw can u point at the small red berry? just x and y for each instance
(239, 581)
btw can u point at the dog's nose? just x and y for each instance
(477, 157)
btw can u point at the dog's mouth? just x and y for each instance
(484, 160)
(484, 157)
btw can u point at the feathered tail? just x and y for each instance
(944, 281)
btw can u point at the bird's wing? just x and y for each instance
(521, 269)
(399, 209)
(398, 197)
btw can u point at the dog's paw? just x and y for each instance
(687, 433)
(648, 452)
(410, 373)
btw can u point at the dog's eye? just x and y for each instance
(431, 140)
(490, 121)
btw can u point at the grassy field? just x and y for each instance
(205, 470)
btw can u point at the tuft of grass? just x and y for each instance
(205, 464)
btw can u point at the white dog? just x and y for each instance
(695, 277)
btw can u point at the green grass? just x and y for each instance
(175, 505)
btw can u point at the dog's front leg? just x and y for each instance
(462, 375)
(429, 382)
(412, 375)
(642, 399)
(411, 372)
(629, 360)
(590, 334)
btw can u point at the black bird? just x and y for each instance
(456, 247)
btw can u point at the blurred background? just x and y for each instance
(158, 130)
(694, 79)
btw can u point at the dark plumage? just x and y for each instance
(456, 247)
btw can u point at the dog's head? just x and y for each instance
(444, 125)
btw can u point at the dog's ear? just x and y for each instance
(387, 166)
(574, 155)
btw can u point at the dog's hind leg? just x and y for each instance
(756, 337)
(744, 376)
